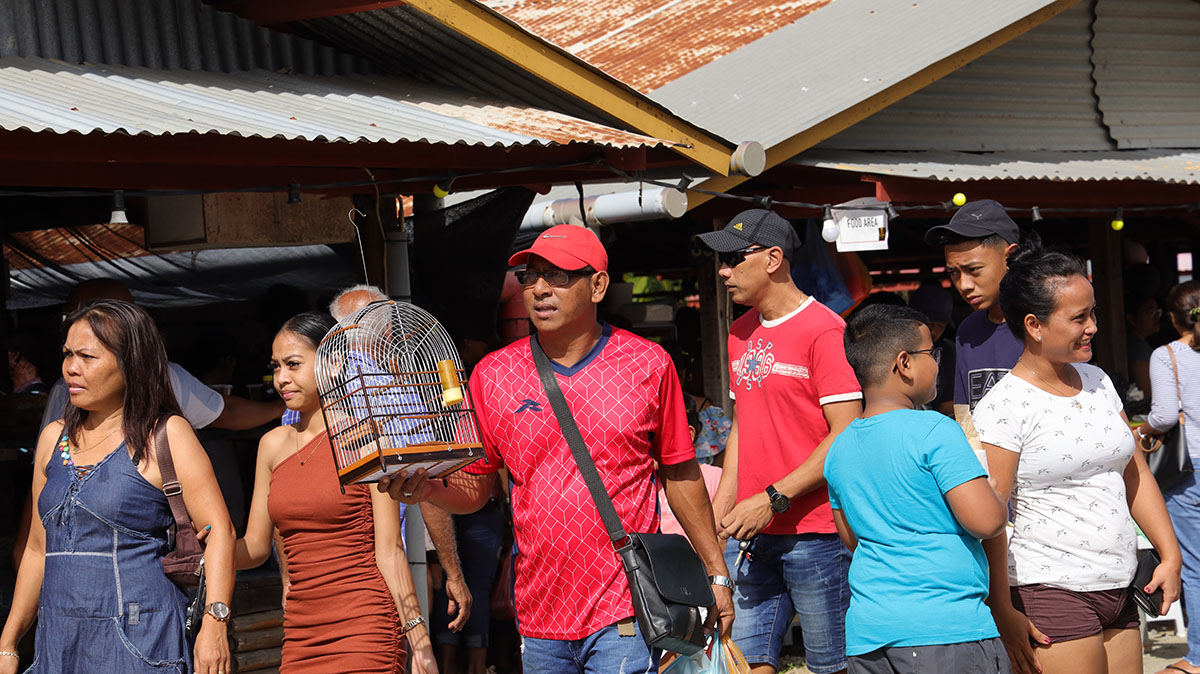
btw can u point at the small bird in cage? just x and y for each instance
(394, 395)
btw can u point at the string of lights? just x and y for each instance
(444, 181)
(958, 200)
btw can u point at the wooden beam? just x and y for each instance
(785, 150)
(575, 78)
(207, 149)
(217, 178)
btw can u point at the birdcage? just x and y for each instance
(394, 395)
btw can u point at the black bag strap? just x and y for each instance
(570, 431)
(171, 487)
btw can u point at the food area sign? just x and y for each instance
(862, 225)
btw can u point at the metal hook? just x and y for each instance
(358, 235)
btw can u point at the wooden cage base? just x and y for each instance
(439, 460)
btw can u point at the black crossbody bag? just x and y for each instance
(666, 577)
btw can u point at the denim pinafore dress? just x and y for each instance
(106, 605)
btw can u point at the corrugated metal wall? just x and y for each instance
(1033, 93)
(166, 34)
(1147, 70)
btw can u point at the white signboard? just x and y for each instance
(862, 225)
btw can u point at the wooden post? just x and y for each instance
(716, 313)
(400, 287)
(1107, 279)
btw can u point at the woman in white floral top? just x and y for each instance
(1060, 451)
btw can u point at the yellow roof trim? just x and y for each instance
(785, 150)
(532, 54)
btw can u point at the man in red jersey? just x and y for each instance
(574, 608)
(794, 392)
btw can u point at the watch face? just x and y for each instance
(779, 502)
(219, 610)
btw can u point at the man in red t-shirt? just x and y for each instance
(794, 392)
(573, 603)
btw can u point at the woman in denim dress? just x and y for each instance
(92, 570)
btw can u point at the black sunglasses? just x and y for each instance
(558, 278)
(735, 257)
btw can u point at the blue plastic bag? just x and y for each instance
(700, 662)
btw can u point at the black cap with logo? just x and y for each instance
(756, 226)
(975, 220)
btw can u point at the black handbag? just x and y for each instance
(666, 578)
(1170, 461)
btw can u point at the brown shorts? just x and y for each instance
(1064, 615)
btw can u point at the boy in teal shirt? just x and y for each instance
(911, 502)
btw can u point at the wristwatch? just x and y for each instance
(723, 581)
(219, 610)
(779, 502)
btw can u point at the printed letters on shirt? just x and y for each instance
(980, 381)
(758, 362)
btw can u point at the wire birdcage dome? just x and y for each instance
(394, 395)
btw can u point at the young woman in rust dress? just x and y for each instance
(345, 567)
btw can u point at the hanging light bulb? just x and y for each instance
(829, 227)
(442, 189)
(294, 193)
(118, 216)
(1036, 214)
(1118, 221)
(892, 212)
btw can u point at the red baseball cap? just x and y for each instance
(568, 247)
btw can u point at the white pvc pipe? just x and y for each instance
(658, 203)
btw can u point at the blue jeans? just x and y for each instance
(603, 652)
(1183, 504)
(786, 576)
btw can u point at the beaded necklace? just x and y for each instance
(64, 447)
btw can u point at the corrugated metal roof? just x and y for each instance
(168, 34)
(73, 245)
(44, 95)
(407, 42)
(1147, 58)
(648, 43)
(1162, 166)
(833, 59)
(1033, 93)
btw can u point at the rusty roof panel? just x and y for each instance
(43, 95)
(648, 43)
